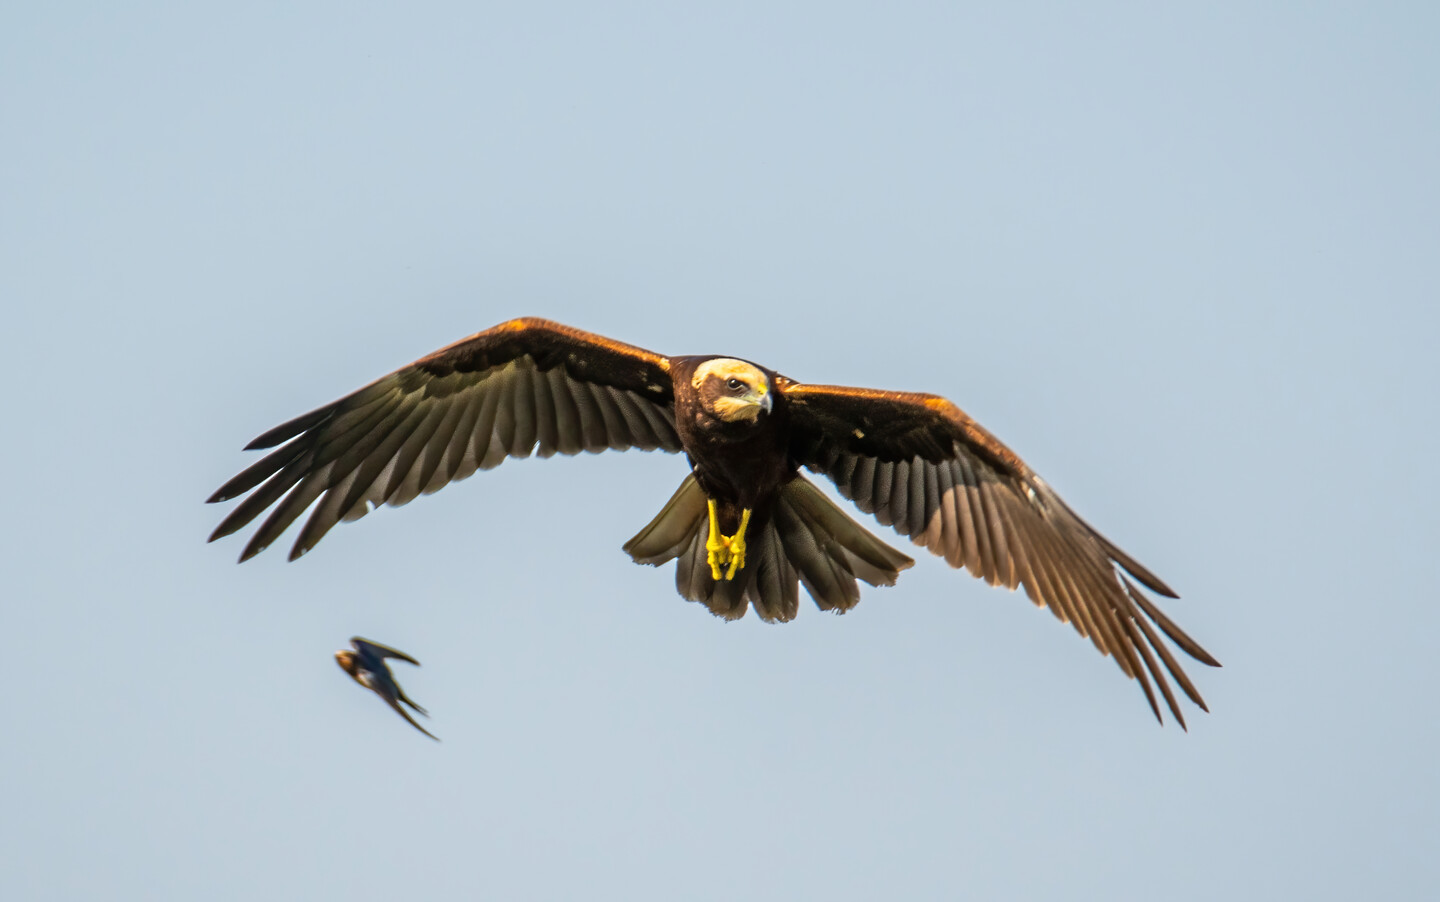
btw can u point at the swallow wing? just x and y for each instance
(377, 652)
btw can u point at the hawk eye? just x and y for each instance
(734, 384)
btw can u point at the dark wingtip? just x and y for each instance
(1174, 710)
(1127, 563)
(273, 437)
(224, 529)
(1161, 589)
(250, 551)
(290, 428)
(1134, 568)
(234, 488)
(1176, 634)
(1150, 697)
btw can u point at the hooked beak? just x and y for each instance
(760, 395)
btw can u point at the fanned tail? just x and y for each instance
(804, 538)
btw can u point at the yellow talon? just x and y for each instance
(737, 546)
(721, 550)
(717, 547)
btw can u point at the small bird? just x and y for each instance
(366, 665)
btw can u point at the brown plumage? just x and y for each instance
(916, 462)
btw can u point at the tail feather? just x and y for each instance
(671, 532)
(806, 539)
(820, 560)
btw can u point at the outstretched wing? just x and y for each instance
(921, 465)
(524, 385)
(380, 652)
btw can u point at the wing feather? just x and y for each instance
(900, 499)
(429, 464)
(326, 514)
(408, 454)
(641, 434)
(522, 406)
(285, 512)
(922, 466)
(592, 421)
(523, 387)
(567, 415)
(960, 497)
(502, 440)
(547, 430)
(660, 418)
(617, 431)
(380, 652)
(933, 534)
(1004, 559)
(371, 468)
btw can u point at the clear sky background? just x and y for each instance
(1186, 263)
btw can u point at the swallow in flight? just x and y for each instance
(366, 665)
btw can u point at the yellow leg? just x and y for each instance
(737, 545)
(717, 547)
(721, 550)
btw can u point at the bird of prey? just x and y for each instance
(745, 527)
(366, 666)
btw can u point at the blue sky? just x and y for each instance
(1184, 262)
